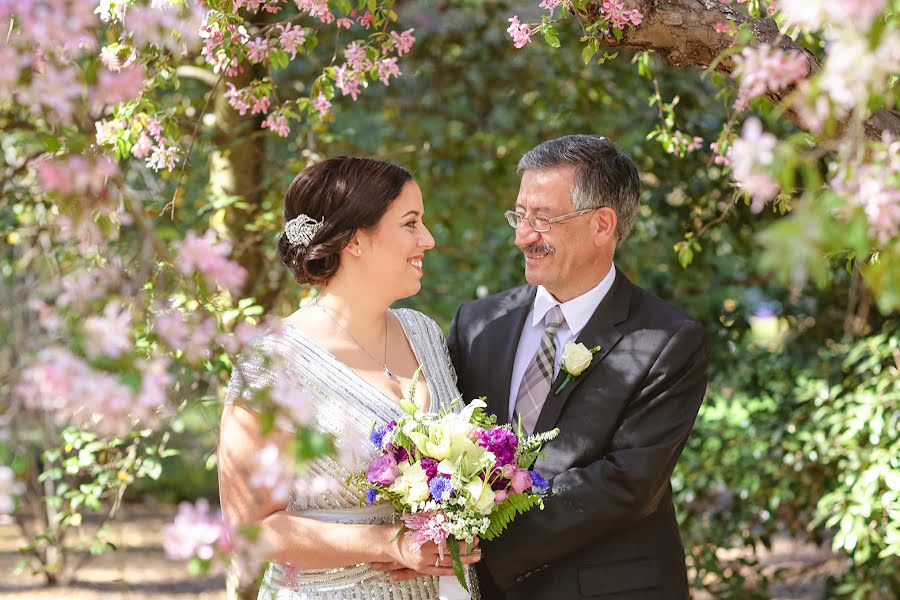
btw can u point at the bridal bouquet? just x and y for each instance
(453, 475)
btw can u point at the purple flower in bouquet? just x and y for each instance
(500, 441)
(430, 466)
(500, 484)
(370, 496)
(521, 481)
(398, 452)
(383, 470)
(538, 482)
(440, 488)
(427, 526)
(377, 435)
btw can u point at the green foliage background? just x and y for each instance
(799, 430)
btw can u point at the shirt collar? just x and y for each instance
(578, 310)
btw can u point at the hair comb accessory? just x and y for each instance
(302, 229)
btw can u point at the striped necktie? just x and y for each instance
(538, 376)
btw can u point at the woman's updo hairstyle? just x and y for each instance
(350, 194)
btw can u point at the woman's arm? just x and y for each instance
(305, 543)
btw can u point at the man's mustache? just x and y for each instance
(539, 249)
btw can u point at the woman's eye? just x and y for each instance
(412, 224)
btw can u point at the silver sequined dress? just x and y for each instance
(345, 405)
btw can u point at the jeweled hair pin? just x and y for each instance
(302, 229)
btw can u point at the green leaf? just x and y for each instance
(507, 510)
(457, 562)
(551, 36)
(587, 53)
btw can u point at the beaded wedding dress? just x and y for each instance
(346, 405)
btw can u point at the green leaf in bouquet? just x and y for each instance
(457, 562)
(507, 510)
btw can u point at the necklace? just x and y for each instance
(387, 372)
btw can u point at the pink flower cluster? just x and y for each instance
(118, 86)
(192, 336)
(684, 144)
(244, 99)
(550, 4)
(196, 531)
(152, 145)
(65, 386)
(427, 526)
(875, 186)
(277, 123)
(209, 257)
(519, 32)
(817, 14)
(78, 175)
(751, 156)
(619, 16)
(108, 334)
(765, 69)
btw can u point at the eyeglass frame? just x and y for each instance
(530, 218)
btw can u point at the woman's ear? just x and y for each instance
(354, 246)
(605, 222)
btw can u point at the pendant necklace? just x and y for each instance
(383, 363)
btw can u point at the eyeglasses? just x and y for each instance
(540, 224)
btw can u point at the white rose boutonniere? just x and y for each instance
(575, 359)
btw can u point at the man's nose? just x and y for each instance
(526, 235)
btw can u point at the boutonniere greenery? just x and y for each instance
(575, 359)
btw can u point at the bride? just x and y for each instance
(353, 227)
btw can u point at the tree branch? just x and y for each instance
(682, 33)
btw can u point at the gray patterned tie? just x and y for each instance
(539, 375)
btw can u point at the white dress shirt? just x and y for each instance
(577, 313)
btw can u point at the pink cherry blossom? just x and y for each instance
(550, 4)
(291, 38)
(356, 58)
(618, 15)
(272, 471)
(344, 23)
(196, 531)
(293, 402)
(278, 124)
(519, 32)
(208, 257)
(108, 335)
(322, 104)
(387, 67)
(751, 155)
(257, 50)
(764, 69)
(348, 81)
(403, 42)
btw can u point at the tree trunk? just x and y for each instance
(237, 170)
(681, 32)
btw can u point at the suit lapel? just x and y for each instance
(504, 336)
(601, 331)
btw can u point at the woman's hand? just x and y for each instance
(410, 563)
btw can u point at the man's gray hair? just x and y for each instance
(603, 175)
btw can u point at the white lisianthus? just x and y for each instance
(447, 438)
(481, 496)
(576, 358)
(412, 483)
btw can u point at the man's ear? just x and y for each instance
(604, 223)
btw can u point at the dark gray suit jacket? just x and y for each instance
(609, 528)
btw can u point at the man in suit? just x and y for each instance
(608, 529)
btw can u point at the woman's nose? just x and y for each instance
(427, 240)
